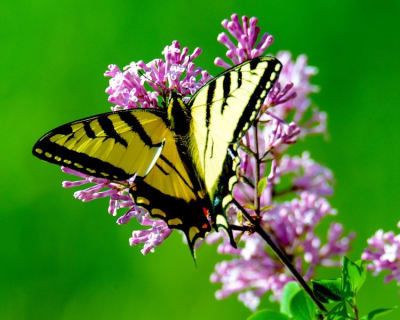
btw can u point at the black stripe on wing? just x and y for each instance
(259, 93)
(107, 125)
(210, 96)
(168, 163)
(226, 85)
(54, 153)
(88, 130)
(136, 127)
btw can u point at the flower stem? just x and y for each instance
(257, 173)
(240, 228)
(281, 255)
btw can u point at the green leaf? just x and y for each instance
(290, 289)
(377, 313)
(353, 277)
(268, 315)
(261, 185)
(239, 217)
(246, 149)
(302, 307)
(266, 208)
(361, 264)
(328, 290)
(249, 206)
(338, 312)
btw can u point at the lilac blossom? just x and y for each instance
(292, 224)
(152, 237)
(246, 35)
(383, 254)
(142, 85)
(310, 175)
(254, 270)
(291, 94)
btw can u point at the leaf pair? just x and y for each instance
(342, 292)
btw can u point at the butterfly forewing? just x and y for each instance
(221, 112)
(113, 145)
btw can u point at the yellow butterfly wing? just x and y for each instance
(221, 112)
(118, 145)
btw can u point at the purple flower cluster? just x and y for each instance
(286, 193)
(147, 85)
(118, 193)
(246, 36)
(384, 254)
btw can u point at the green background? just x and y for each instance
(63, 259)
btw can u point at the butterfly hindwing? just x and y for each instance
(221, 112)
(171, 191)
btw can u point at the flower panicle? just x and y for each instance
(151, 237)
(383, 254)
(292, 224)
(102, 188)
(309, 175)
(118, 194)
(290, 94)
(147, 85)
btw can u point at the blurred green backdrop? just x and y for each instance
(63, 259)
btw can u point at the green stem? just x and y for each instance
(281, 255)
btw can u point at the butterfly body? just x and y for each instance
(184, 158)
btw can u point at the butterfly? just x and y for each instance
(184, 157)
